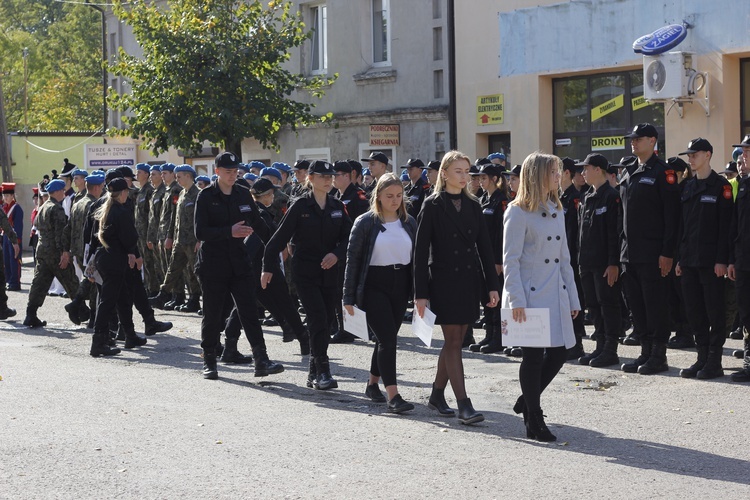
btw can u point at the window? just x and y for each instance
(437, 44)
(319, 45)
(745, 96)
(438, 83)
(437, 9)
(380, 32)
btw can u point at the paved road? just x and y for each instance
(146, 425)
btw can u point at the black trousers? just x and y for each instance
(648, 297)
(320, 305)
(603, 302)
(113, 298)
(579, 326)
(137, 294)
(538, 368)
(385, 299)
(742, 284)
(703, 293)
(216, 292)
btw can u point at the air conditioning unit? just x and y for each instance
(669, 76)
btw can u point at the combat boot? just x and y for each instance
(495, 344)
(232, 355)
(210, 372)
(287, 334)
(486, 340)
(178, 299)
(132, 339)
(576, 352)
(72, 308)
(692, 370)
(100, 346)
(657, 362)
(6, 312)
(191, 306)
(744, 374)
(159, 300)
(712, 368)
(324, 380)
(312, 373)
(31, 320)
(153, 327)
(468, 338)
(586, 359)
(632, 367)
(608, 357)
(263, 365)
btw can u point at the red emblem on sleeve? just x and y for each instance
(576, 203)
(175, 198)
(671, 176)
(728, 192)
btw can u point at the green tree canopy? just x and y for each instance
(212, 70)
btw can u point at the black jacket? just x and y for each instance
(221, 255)
(739, 232)
(493, 208)
(706, 217)
(355, 200)
(650, 197)
(415, 195)
(359, 254)
(571, 200)
(599, 220)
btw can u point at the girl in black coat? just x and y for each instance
(453, 256)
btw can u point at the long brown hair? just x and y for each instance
(387, 180)
(532, 192)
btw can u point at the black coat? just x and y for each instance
(599, 228)
(571, 199)
(355, 200)
(415, 195)
(121, 237)
(739, 232)
(493, 208)
(452, 256)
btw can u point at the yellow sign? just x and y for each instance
(607, 143)
(384, 135)
(490, 109)
(639, 102)
(607, 107)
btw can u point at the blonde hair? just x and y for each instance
(102, 213)
(449, 159)
(387, 180)
(532, 192)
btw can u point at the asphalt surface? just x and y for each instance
(145, 424)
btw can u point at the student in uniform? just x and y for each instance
(417, 189)
(318, 226)
(452, 258)
(537, 268)
(432, 169)
(378, 280)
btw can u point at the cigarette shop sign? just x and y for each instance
(385, 135)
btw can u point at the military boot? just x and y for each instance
(232, 355)
(586, 359)
(693, 369)
(312, 372)
(608, 356)
(657, 362)
(486, 340)
(7, 312)
(210, 372)
(191, 306)
(712, 368)
(496, 342)
(324, 380)
(72, 308)
(132, 339)
(744, 374)
(153, 327)
(263, 365)
(632, 367)
(159, 300)
(31, 320)
(100, 345)
(178, 299)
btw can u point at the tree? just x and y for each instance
(212, 70)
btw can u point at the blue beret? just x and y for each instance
(78, 171)
(366, 171)
(168, 167)
(243, 167)
(282, 167)
(144, 167)
(185, 168)
(95, 179)
(496, 156)
(55, 185)
(155, 168)
(270, 171)
(203, 178)
(250, 176)
(424, 173)
(214, 177)
(257, 164)
(405, 176)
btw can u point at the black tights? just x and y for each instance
(538, 368)
(450, 363)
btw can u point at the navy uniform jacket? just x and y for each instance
(415, 195)
(493, 208)
(121, 237)
(599, 228)
(739, 233)
(650, 198)
(355, 200)
(706, 217)
(314, 232)
(571, 199)
(221, 255)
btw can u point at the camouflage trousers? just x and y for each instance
(153, 275)
(181, 270)
(47, 269)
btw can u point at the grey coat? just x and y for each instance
(536, 262)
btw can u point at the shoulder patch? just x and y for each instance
(671, 176)
(727, 192)
(362, 195)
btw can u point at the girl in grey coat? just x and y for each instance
(538, 274)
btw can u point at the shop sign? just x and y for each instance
(660, 41)
(607, 143)
(384, 135)
(607, 107)
(108, 155)
(639, 102)
(490, 109)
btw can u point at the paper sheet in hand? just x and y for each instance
(422, 327)
(534, 332)
(357, 324)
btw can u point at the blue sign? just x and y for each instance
(661, 40)
(640, 42)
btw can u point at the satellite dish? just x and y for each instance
(656, 75)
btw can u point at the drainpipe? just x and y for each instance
(452, 125)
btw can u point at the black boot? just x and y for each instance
(632, 367)
(576, 352)
(232, 355)
(31, 320)
(520, 407)
(537, 429)
(72, 309)
(304, 343)
(693, 370)
(681, 341)
(744, 374)
(132, 339)
(100, 347)
(342, 337)
(6, 312)
(191, 306)
(287, 334)
(488, 336)
(468, 338)
(437, 402)
(495, 345)
(586, 359)
(209, 367)
(153, 327)
(467, 414)
(608, 356)
(712, 368)
(312, 373)
(263, 365)
(657, 362)
(179, 300)
(159, 300)
(398, 405)
(324, 380)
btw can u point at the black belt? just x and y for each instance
(394, 267)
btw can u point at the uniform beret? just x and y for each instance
(244, 167)
(282, 167)
(155, 168)
(185, 168)
(270, 171)
(143, 167)
(257, 164)
(78, 171)
(95, 179)
(168, 167)
(250, 176)
(55, 185)
(203, 178)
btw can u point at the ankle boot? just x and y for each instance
(132, 339)
(72, 309)
(324, 380)
(537, 429)
(437, 402)
(632, 367)
(657, 362)
(232, 355)
(100, 347)
(486, 340)
(153, 327)
(177, 301)
(468, 338)
(210, 371)
(398, 405)
(693, 369)
(191, 306)
(608, 356)
(31, 320)
(312, 372)
(520, 407)
(744, 374)
(159, 300)
(7, 312)
(467, 414)
(586, 358)
(712, 368)
(263, 365)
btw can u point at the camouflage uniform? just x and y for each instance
(154, 214)
(142, 202)
(73, 233)
(50, 222)
(182, 262)
(166, 227)
(13, 238)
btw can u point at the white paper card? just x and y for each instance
(422, 327)
(534, 332)
(356, 324)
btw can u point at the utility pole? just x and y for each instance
(4, 146)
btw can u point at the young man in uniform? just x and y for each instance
(142, 172)
(154, 214)
(418, 189)
(300, 172)
(377, 163)
(280, 200)
(432, 169)
(166, 225)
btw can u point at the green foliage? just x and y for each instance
(212, 70)
(64, 64)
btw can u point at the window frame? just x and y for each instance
(319, 40)
(388, 45)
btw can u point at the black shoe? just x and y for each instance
(235, 357)
(324, 381)
(33, 322)
(191, 306)
(681, 342)
(653, 365)
(478, 346)
(134, 341)
(287, 334)
(270, 322)
(712, 368)
(606, 358)
(586, 358)
(736, 334)
(14, 288)
(437, 402)
(495, 345)
(267, 367)
(7, 312)
(174, 304)
(515, 352)
(210, 371)
(408, 316)
(72, 309)
(631, 339)
(741, 376)
(398, 405)
(157, 327)
(199, 312)
(159, 300)
(632, 367)
(103, 350)
(537, 429)
(738, 353)
(467, 414)
(342, 337)
(373, 392)
(692, 371)
(576, 352)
